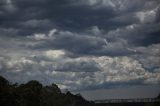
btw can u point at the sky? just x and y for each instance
(99, 48)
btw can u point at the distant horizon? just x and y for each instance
(152, 91)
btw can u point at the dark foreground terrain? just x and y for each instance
(34, 93)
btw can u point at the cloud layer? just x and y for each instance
(84, 45)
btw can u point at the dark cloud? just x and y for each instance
(82, 45)
(59, 13)
(78, 66)
(66, 14)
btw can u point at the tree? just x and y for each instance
(158, 96)
(30, 93)
(4, 84)
(34, 93)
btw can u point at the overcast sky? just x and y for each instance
(98, 46)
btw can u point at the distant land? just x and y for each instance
(134, 100)
(129, 104)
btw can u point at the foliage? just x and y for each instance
(34, 93)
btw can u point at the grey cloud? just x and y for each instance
(76, 43)
(89, 44)
(78, 66)
(149, 60)
(86, 73)
(64, 15)
(60, 13)
(7, 6)
(37, 23)
(8, 31)
(113, 4)
(98, 42)
(92, 42)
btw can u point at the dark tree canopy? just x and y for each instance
(34, 93)
(3, 83)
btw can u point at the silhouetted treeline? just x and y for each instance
(34, 93)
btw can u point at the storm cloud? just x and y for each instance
(82, 45)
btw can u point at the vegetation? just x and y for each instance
(34, 93)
